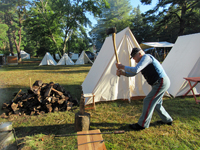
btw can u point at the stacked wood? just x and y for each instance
(40, 98)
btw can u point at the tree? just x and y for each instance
(78, 41)
(13, 12)
(116, 16)
(184, 13)
(3, 36)
(57, 20)
(139, 27)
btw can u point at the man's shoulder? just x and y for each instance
(147, 56)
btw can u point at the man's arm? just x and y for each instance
(132, 71)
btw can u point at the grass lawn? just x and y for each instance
(37, 132)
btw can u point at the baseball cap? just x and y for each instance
(134, 51)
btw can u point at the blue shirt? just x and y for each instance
(150, 68)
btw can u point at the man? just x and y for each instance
(155, 75)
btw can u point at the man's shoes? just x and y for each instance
(161, 122)
(136, 127)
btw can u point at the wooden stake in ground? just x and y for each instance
(82, 119)
(30, 84)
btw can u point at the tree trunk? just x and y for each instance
(182, 27)
(10, 42)
(8, 22)
(66, 39)
(19, 35)
(182, 19)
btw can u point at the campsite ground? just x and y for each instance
(37, 132)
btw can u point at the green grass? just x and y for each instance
(37, 132)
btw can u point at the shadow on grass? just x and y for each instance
(69, 130)
(66, 129)
(37, 67)
(50, 69)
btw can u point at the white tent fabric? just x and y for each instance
(24, 55)
(146, 45)
(57, 56)
(14, 55)
(48, 60)
(102, 80)
(65, 60)
(183, 61)
(83, 59)
(74, 56)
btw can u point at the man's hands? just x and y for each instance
(119, 66)
(119, 71)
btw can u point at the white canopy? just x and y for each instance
(183, 61)
(48, 60)
(24, 55)
(146, 45)
(65, 60)
(102, 80)
(83, 59)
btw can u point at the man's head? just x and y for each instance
(137, 54)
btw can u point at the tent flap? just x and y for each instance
(83, 59)
(65, 60)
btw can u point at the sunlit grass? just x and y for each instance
(37, 132)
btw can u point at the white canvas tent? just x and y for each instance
(74, 56)
(65, 60)
(47, 60)
(83, 59)
(57, 56)
(183, 61)
(102, 80)
(24, 55)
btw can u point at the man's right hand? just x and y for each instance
(119, 66)
(120, 72)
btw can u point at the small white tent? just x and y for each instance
(24, 55)
(183, 61)
(83, 59)
(48, 60)
(57, 56)
(74, 56)
(65, 60)
(102, 80)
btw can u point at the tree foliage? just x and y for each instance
(13, 15)
(176, 15)
(139, 27)
(59, 26)
(118, 15)
(55, 21)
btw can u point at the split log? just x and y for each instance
(58, 92)
(36, 90)
(49, 108)
(14, 107)
(61, 101)
(69, 105)
(38, 83)
(47, 91)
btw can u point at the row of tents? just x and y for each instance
(65, 60)
(182, 61)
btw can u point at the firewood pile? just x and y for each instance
(40, 98)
